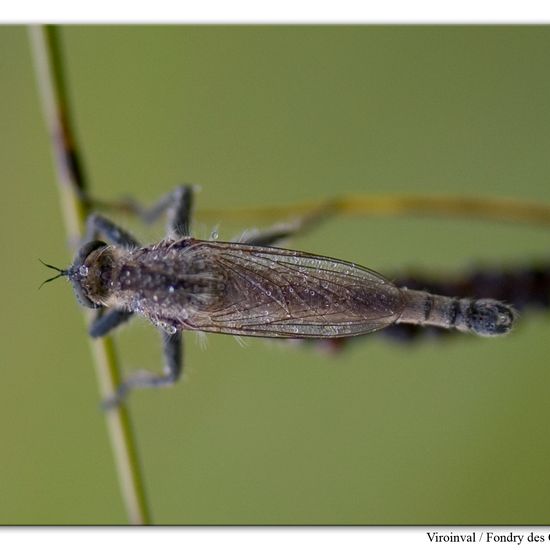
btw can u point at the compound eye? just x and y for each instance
(84, 251)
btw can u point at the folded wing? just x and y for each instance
(274, 292)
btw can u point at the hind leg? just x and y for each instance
(173, 361)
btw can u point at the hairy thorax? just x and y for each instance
(168, 283)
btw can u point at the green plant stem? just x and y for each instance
(481, 208)
(73, 189)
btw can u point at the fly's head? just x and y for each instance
(90, 273)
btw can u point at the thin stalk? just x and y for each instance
(73, 188)
(482, 208)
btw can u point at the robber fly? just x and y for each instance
(247, 288)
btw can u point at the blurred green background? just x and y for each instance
(453, 431)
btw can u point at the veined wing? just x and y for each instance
(279, 293)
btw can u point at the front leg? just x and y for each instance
(179, 211)
(177, 203)
(100, 226)
(173, 353)
(106, 322)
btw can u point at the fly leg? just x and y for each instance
(106, 322)
(282, 231)
(99, 226)
(277, 233)
(177, 203)
(179, 211)
(172, 344)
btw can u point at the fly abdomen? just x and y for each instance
(485, 317)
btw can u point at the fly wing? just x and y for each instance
(274, 292)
